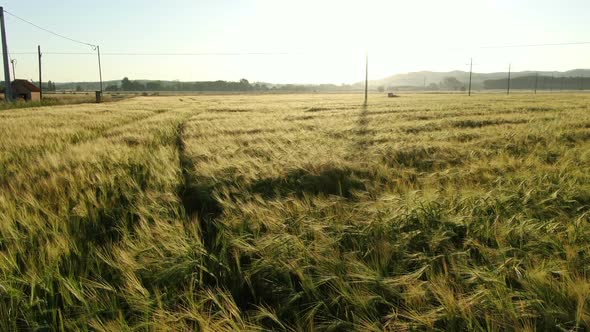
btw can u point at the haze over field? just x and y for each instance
(301, 41)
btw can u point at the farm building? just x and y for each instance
(25, 90)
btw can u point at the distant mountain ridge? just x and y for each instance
(418, 79)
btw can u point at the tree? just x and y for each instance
(50, 86)
(79, 88)
(154, 86)
(381, 88)
(451, 83)
(244, 85)
(127, 85)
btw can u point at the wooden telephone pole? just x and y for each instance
(40, 80)
(7, 85)
(509, 71)
(99, 68)
(366, 77)
(470, 72)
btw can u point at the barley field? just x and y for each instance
(297, 213)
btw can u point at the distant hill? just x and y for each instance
(416, 79)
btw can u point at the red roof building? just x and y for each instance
(25, 90)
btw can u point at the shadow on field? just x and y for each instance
(329, 181)
(197, 196)
(424, 158)
(198, 199)
(362, 131)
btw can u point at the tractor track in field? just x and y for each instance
(197, 198)
(197, 195)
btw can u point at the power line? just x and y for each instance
(202, 54)
(49, 31)
(164, 54)
(93, 46)
(237, 53)
(257, 53)
(537, 45)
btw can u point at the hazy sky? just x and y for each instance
(311, 41)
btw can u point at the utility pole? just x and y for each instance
(99, 68)
(536, 81)
(509, 70)
(7, 85)
(581, 82)
(424, 82)
(470, 72)
(366, 76)
(551, 83)
(13, 61)
(40, 80)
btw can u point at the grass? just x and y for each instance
(297, 213)
(56, 99)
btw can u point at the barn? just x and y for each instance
(25, 90)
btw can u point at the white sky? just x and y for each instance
(325, 41)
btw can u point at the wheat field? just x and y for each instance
(297, 213)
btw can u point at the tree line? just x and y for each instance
(129, 85)
(240, 86)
